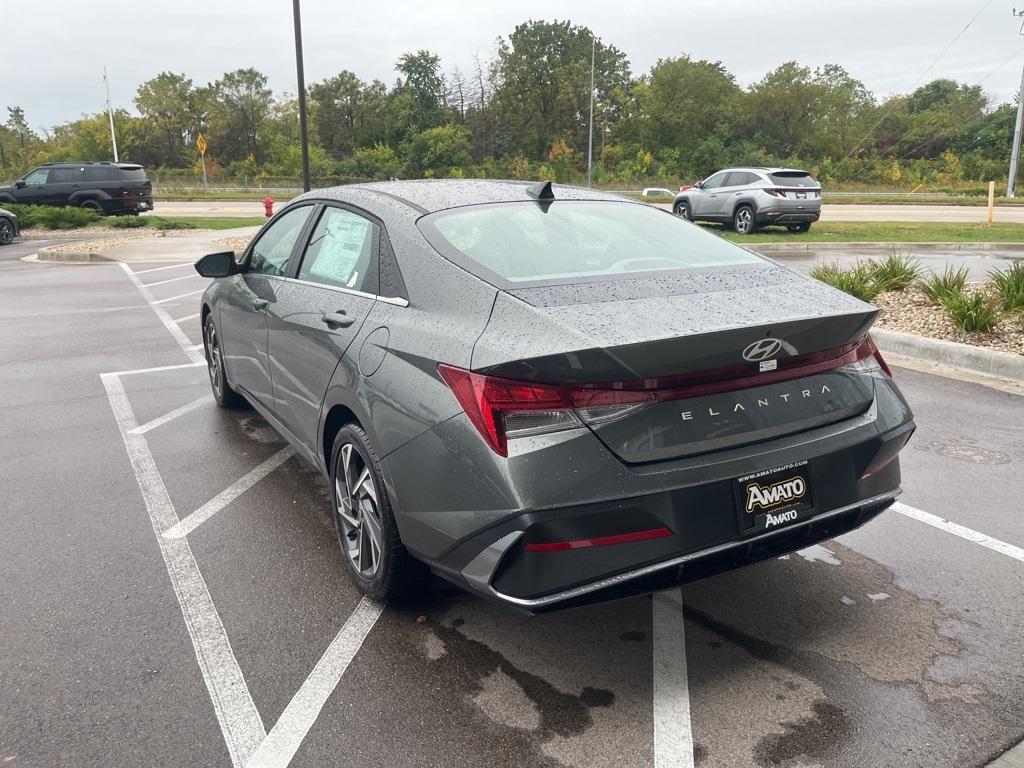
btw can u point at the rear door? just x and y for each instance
(319, 313)
(247, 299)
(61, 184)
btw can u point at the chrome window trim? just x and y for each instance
(394, 300)
(480, 571)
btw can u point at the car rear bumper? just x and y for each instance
(484, 574)
(777, 216)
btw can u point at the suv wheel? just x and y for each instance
(743, 220)
(682, 210)
(6, 231)
(804, 227)
(91, 205)
(375, 558)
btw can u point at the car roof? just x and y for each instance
(127, 166)
(430, 195)
(763, 169)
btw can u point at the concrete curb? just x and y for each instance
(64, 234)
(1013, 248)
(963, 357)
(51, 255)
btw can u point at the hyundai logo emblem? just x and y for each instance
(763, 349)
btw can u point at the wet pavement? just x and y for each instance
(242, 642)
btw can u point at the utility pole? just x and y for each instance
(590, 137)
(1011, 184)
(303, 127)
(110, 114)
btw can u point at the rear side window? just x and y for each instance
(100, 173)
(340, 252)
(65, 175)
(793, 179)
(521, 244)
(740, 179)
(133, 174)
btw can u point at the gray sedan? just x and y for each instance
(8, 226)
(551, 395)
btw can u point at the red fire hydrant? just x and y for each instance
(268, 206)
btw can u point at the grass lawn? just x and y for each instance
(200, 222)
(884, 232)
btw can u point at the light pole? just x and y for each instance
(1011, 182)
(110, 114)
(303, 127)
(590, 135)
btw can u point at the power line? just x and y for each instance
(935, 61)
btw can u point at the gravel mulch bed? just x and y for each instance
(910, 311)
(101, 244)
(236, 244)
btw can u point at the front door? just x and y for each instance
(250, 295)
(707, 202)
(318, 315)
(34, 191)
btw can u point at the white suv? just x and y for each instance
(748, 198)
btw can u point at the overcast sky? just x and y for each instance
(55, 50)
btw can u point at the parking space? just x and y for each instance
(173, 595)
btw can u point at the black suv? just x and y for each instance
(100, 186)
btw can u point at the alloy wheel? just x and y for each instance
(6, 231)
(214, 360)
(360, 525)
(744, 221)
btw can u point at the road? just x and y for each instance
(874, 212)
(897, 645)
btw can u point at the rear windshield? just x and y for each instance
(793, 179)
(521, 244)
(133, 174)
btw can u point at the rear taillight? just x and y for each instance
(502, 408)
(776, 192)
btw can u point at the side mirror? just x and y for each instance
(698, 185)
(19, 184)
(219, 264)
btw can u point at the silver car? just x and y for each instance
(748, 198)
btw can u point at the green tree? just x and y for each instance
(424, 83)
(171, 108)
(242, 104)
(436, 151)
(542, 93)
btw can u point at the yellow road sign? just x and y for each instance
(201, 144)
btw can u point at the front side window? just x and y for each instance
(270, 253)
(522, 244)
(715, 181)
(38, 176)
(340, 252)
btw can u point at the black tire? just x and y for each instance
(743, 220)
(683, 210)
(6, 231)
(225, 396)
(91, 205)
(804, 227)
(375, 558)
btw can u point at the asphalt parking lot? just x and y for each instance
(171, 593)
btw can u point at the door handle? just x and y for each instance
(337, 319)
(259, 304)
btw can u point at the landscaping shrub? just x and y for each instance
(895, 272)
(1009, 285)
(158, 223)
(941, 288)
(857, 281)
(126, 222)
(52, 217)
(972, 312)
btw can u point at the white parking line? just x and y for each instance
(179, 335)
(160, 269)
(673, 732)
(186, 317)
(278, 749)
(178, 297)
(232, 703)
(171, 415)
(186, 525)
(963, 532)
(157, 369)
(173, 280)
